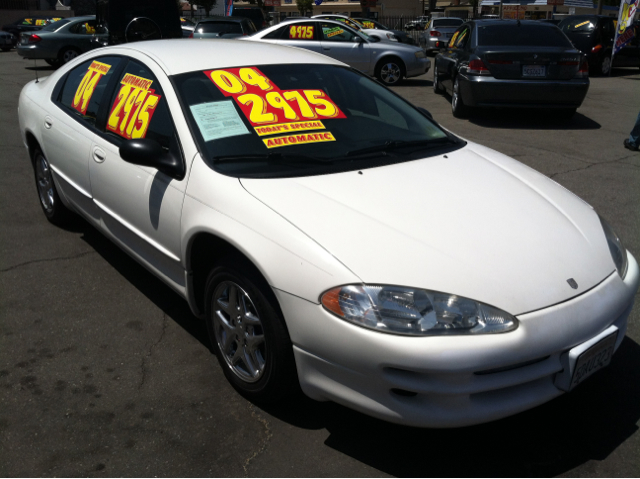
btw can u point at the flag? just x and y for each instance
(228, 8)
(624, 29)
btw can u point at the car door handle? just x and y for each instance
(48, 122)
(98, 155)
(326, 48)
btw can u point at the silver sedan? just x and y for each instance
(60, 42)
(389, 62)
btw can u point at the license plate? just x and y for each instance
(534, 70)
(593, 359)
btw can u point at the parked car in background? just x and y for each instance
(255, 14)
(371, 24)
(7, 41)
(62, 41)
(187, 30)
(384, 35)
(29, 24)
(185, 22)
(511, 63)
(438, 32)
(389, 62)
(593, 35)
(417, 24)
(227, 27)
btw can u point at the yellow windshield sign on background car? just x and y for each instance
(87, 86)
(581, 24)
(332, 32)
(298, 31)
(133, 108)
(369, 25)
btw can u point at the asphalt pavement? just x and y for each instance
(105, 372)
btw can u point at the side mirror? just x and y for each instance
(357, 39)
(145, 152)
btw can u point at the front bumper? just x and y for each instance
(485, 91)
(456, 380)
(418, 67)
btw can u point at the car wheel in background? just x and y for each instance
(249, 336)
(56, 212)
(605, 65)
(52, 62)
(437, 87)
(67, 54)
(458, 108)
(390, 71)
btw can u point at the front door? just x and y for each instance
(345, 45)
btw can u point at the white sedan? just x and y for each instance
(332, 236)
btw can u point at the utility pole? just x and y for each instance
(500, 16)
(600, 13)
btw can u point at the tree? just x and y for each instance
(207, 5)
(304, 6)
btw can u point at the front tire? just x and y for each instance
(52, 207)
(458, 108)
(249, 336)
(390, 71)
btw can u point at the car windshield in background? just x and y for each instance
(297, 120)
(522, 34)
(217, 27)
(52, 27)
(578, 25)
(449, 22)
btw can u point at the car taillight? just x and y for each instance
(33, 39)
(433, 33)
(596, 49)
(583, 72)
(191, 35)
(477, 67)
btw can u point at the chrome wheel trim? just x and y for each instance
(390, 73)
(455, 96)
(606, 65)
(238, 331)
(44, 181)
(69, 55)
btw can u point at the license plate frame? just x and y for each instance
(584, 360)
(534, 71)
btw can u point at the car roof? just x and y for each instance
(220, 18)
(491, 21)
(182, 55)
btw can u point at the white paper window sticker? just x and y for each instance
(218, 119)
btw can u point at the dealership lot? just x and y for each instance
(104, 370)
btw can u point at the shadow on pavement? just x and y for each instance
(586, 424)
(413, 82)
(522, 118)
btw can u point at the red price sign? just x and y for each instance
(300, 31)
(87, 86)
(263, 103)
(134, 106)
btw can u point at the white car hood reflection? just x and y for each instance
(474, 223)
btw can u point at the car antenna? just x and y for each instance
(35, 69)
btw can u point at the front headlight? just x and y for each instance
(420, 54)
(618, 253)
(415, 312)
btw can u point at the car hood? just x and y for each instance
(473, 223)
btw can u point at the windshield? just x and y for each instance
(52, 27)
(447, 22)
(578, 25)
(522, 34)
(297, 120)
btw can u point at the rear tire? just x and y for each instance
(458, 108)
(52, 207)
(54, 63)
(67, 54)
(249, 336)
(604, 67)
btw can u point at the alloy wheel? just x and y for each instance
(239, 331)
(69, 55)
(45, 183)
(390, 73)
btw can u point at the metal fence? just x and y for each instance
(19, 4)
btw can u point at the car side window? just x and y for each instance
(463, 38)
(138, 109)
(336, 33)
(84, 28)
(454, 38)
(300, 31)
(276, 34)
(84, 88)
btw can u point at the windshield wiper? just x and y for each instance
(393, 145)
(273, 159)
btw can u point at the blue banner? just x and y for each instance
(228, 8)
